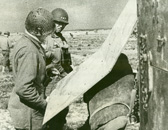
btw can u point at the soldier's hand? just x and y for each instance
(52, 72)
(55, 71)
(63, 74)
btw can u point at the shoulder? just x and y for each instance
(24, 45)
(49, 40)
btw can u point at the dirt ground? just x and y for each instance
(82, 45)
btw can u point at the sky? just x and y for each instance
(83, 14)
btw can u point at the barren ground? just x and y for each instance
(81, 46)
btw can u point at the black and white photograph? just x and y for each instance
(83, 65)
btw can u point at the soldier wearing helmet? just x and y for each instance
(5, 47)
(27, 103)
(60, 17)
(58, 57)
(56, 45)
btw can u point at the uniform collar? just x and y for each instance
(34, 39)
(36, 42)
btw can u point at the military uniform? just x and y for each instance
(54, 46)
(110, 97)
(27, 102)
(54, 53)
(58, 57)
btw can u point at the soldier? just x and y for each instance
(4, 44)
(108, 101)
(56, 45)
(27, 103)
(58, 57)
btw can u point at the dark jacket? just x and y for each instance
(27, 102)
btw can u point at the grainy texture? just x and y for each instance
(88, 44)
(96, 66)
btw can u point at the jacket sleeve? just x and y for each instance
(27, 67)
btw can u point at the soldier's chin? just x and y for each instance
(58, 30)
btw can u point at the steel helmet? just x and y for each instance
(40, 19)
(60, 15)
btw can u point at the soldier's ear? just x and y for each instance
(38, 32)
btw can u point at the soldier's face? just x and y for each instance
(59, 26)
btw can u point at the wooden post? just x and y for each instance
(153, 63)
